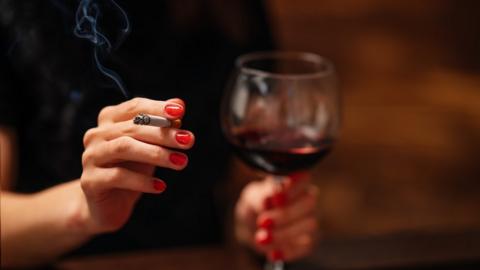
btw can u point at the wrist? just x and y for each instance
(77, 218)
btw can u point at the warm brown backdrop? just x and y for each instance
(409, 152)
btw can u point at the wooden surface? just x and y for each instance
(409, 151)
(199, 258)
(398, 251)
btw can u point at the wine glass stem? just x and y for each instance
(277, 264)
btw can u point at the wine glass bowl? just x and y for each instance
(280, 110)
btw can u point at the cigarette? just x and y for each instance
(155, 121)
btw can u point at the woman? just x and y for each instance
(84, 170)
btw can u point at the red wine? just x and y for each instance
(280, 152)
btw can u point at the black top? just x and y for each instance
(51, 92)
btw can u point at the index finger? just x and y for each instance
(171, 109)
(303, 206)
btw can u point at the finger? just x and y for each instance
(99, 179)
(256, 194)
(176, 100)
(300, 248)
(127, 110)
(287, 188)
(168, 137)
(276, 256)
(143, 168)
(291, 251)
(128, 149)
(301, 233)
(262, 240)
(276, 196)
(278, 217)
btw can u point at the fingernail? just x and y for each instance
(276, 255)
(266, 223)
(264, 237)
(267, 203)
(159, 185)
(183, 137)
(279, 199)
(178, 159)
(174, 110)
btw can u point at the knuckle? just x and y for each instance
(158, 154)
(135, 101)
(89, 136)
(104, 113)
(134, 104)
(122, 144)
(87, 157)
(86, 184)
(130, 129)
(114, 175)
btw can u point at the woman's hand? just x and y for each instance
(120, 158)
(278, 219)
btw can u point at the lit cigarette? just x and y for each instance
(156, 121)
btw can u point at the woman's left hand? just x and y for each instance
(278, 219)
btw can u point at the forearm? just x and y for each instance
(38, 228)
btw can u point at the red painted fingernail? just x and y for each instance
(279, 199)
(276, 255)
(174, 110)
(266, 223)
(264, 237)
(178, 159)
(267, 203)
(183, 137)
(159, 185)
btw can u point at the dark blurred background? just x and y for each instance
(409, 152)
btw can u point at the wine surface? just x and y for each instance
(280, 152)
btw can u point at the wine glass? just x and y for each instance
(280, 112)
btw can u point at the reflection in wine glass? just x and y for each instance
(281, 112)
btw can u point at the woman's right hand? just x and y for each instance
(120, 158)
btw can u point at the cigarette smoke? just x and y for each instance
(87, 27)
